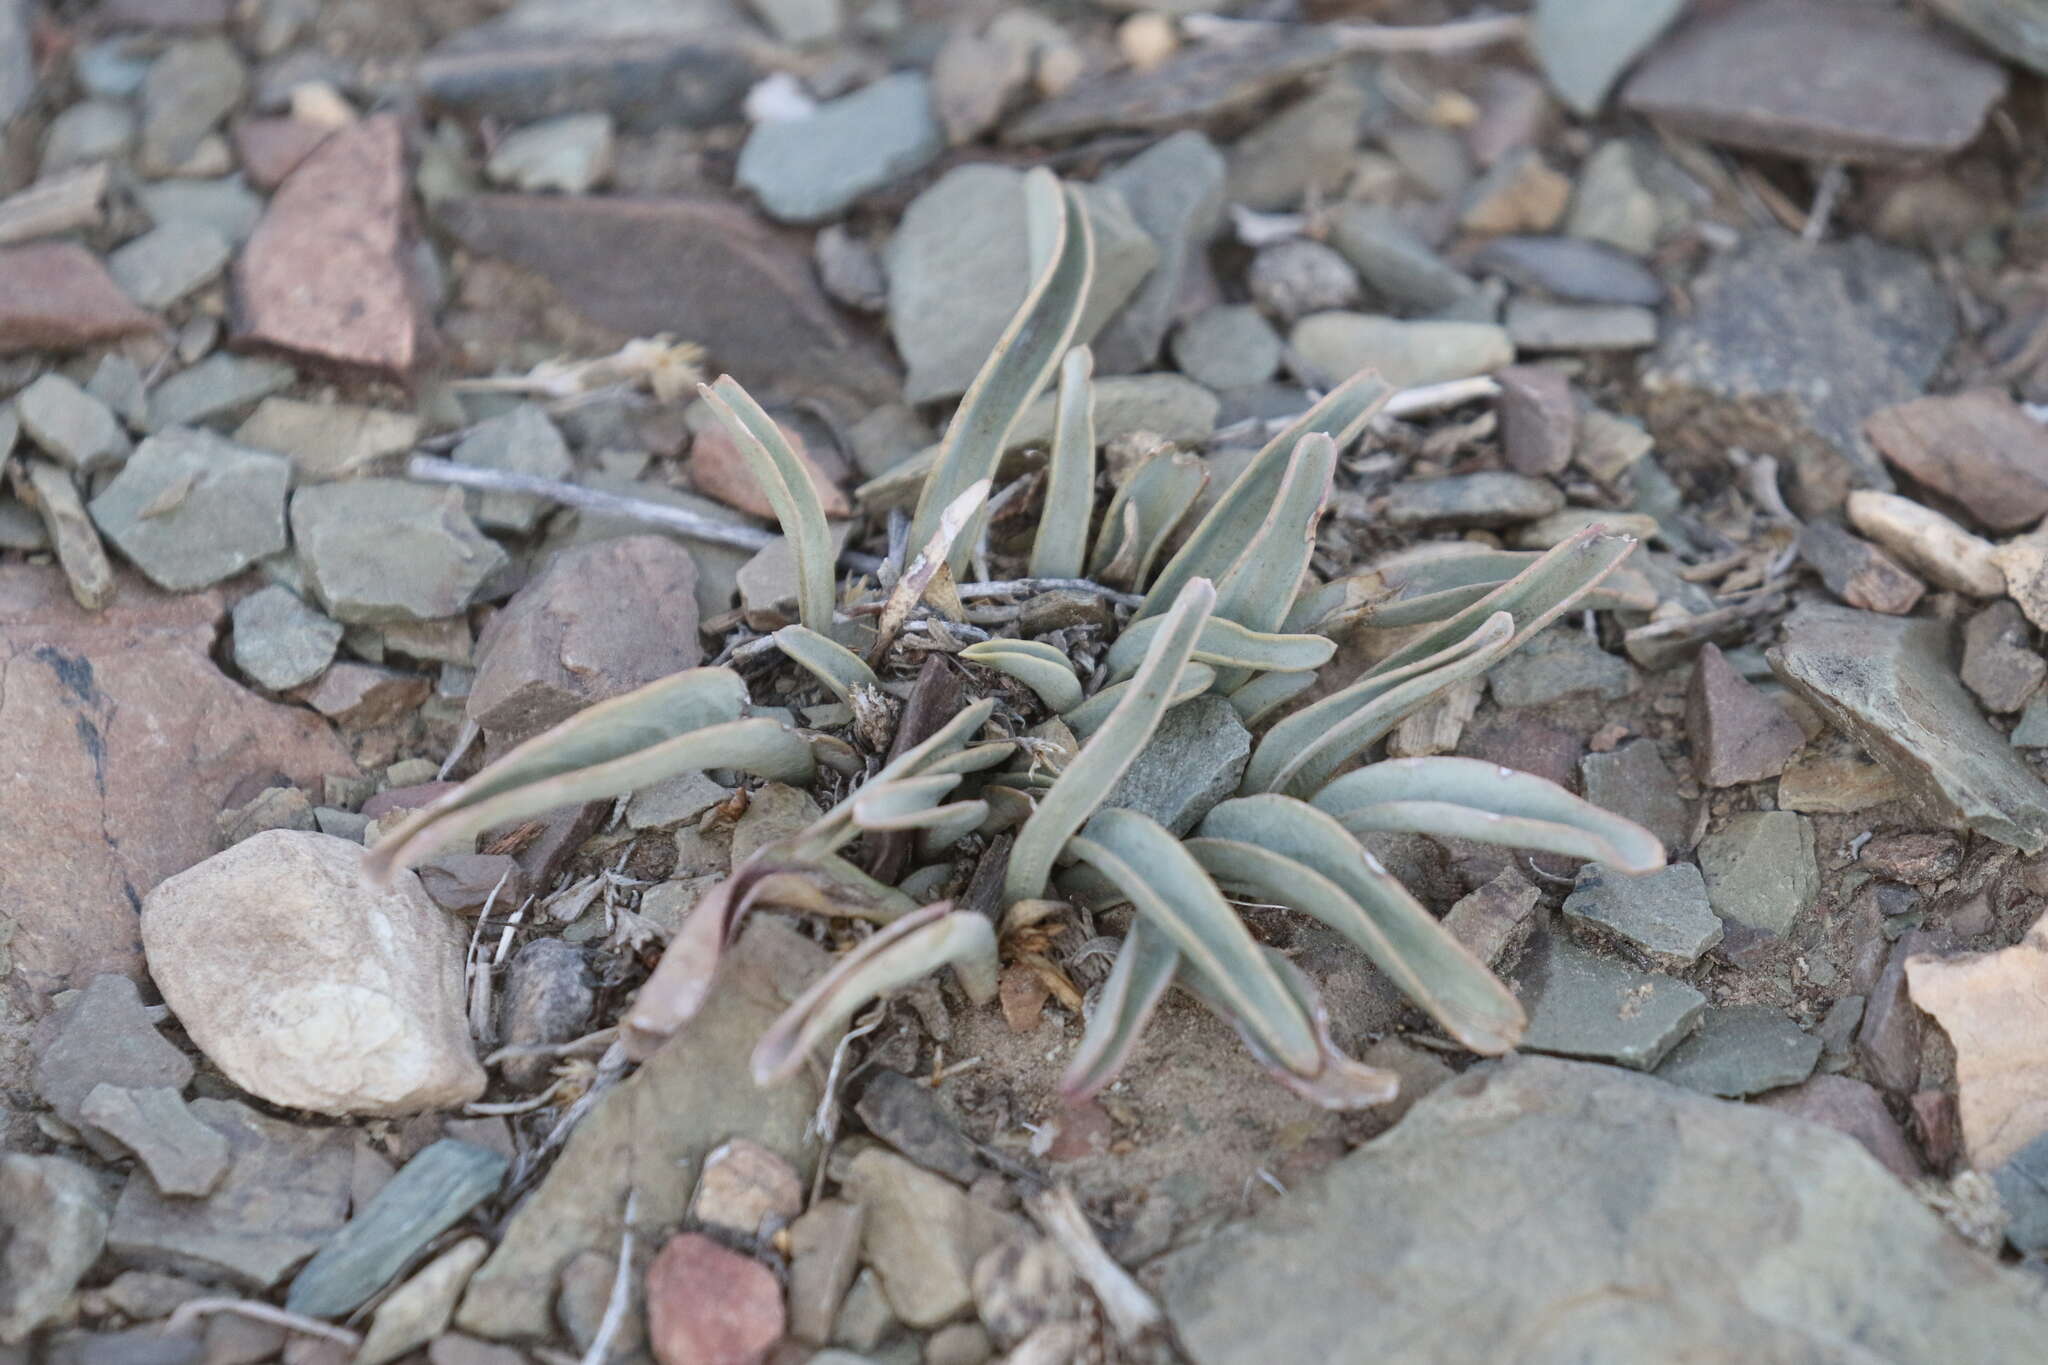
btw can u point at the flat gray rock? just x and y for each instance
(1336, 345)
(227, 205)
(1742, 1050)
(377, 550)
(2023, 1188)
(168, 262)
(1582, 1004)
(1540, 325)
(569, 154)
(1194, 760)
(1539, 1210)
(1230, 346)
(1175, 192)
(1571, 268)
(182, 1155)
(1489, 498)
(1393, 260)
(53, 1215)
(2015, 29)
(72, 425)
(188, 91)
(279, 641)
(1663, 914)
(811, 169)
(102, 1035)
(522, 441)
(216, 386)
(1585, 45)
(191, 508)
(1760, 869)
(17, 61)
(1634, 780)
(1558, 663)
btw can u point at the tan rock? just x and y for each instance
(1928, 542)
(1994, 1008)
(310, 987)
(1979, 448)
(119, 742)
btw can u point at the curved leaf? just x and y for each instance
(1061, 545)
(1340, 1081)
(786, 480)
(831, 663)
(1020, 364)
(1167, 886)
(1267, 693)
(1225, 644)
(1290, 852)
(1259, 586)
(941, 751)
(1110, 750)
(1144, 513)
(1412, 589)
(1144, 968)
(1038, 666)
(1085, 719)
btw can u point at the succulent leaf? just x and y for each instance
(1266, 693)
(831, 663)
(1339, 1081)
(1038, 666)
(1085, 719)
(1144, 512)
(1062, 541)
(1259, 586)
(1225, 644)
(786, 481)
(1144, 968)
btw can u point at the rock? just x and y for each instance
(102, 1035)
(17, 76)
(57, 296)
(71, 425)
(327, 275)
(1539, 418)
(117, 383)
(1583, 1005)
(633, 266)
(1760, 869)
(710, 1306)
(1999, 662)
(1393, 260)
(52, 493)
(1572, 269)
(812, 169)
(1991, 1007)
(188, 91)
(1889, 1038)
(1294, 278)
(216, 386)
(1979, 448)
(718, 470)
(1738, 734)
(376, 550)
(1888, 684)
(285, 1194)
(1495, 921)
(166, 263)
(522, 441)
(1855, 1110)
(824, 1254)
(417, 1312)
(908, 1117)
(224, 206)
(2023, 561)
(1465, 1191)
(361, 696)
(548, 999)
(572, 154)
(463, 882)
(2022, 1184)
(670, 803)
(430, 1194)
(1193, 760)
(1165, 405)
(1556, 664)
(1023, 1285)
(1174, 190)
(651, 1132)
(308, 986)
(191, 508)
(1518, 193)
(1663, 915)
(2016, 32)
(1308, 147)
(1229, 346)
(1928, 543)
(746, 1191)
(1904, 92)
(269, 149)
(1742, 1050)
(1407, 354)
(279, 641)
(577, 634)
(271, 808)
(55, 1219)
(1789, 348)
(1611, 205)
(923, 1235)
(962, 1343)
(1534, 325)
(1825, 785)
(851, 270)
(182, 1155)
(1488, 498)
(328, 441)
(1583, 48)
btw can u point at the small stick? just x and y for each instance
(1453, 37)
(1832, 180)
(1129, 1308)
(615, 1307)
(1025, 587)
(261, 1312)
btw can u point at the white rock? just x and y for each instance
(308, 986)
(1929, 543)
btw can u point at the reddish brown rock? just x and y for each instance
(463, 882)
(1858, 572)
(710, 1306)
(719, 471)
(1939, 1125)
(272, 148)
(405, 798)
(1917, 857)
(1850, 1107)
(119, 741)
(58, 297)
(359, 696)
(1979, 448)
(326, 277)
(1539, 418)
(599, 620)
(1738, 734)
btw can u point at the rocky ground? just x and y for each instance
(276, 274)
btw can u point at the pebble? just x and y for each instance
(71, 425)
(285, 1194)
(1535, 325)
(191, 508)
(463, 882)
(1559, 663)
(1760, 870)
(768, 582)
(2014, 31)
(1393, 260)
(1308, 147)
(1978, 448)
(217, 386)
(69, 530)
(1858, 572)
(1928, 543)
(1336, 345)
(1230, 346)
(812, 169)
(710, 1306)
(58, 297)
(1022, 1285)
(417, 1312)
(91, 130)
(961, 1343)
(1297, 277)
(1583, 46)
(453, 1348)
(376, 550)
(1559, 527)
(1193, 760)
(1581, 1004)
(572, 154)
(1174, 191)
(923, 1235)
(430, 1194)
(747, 1191)
(521, 441)
(1494, 922)
(2032, 731)
(1888, 1042)
(17, 69)
(271, 808)
(2000, 663)
(362, 966)
(718, 470)
(908, 1117)
(1166, 406)
(1738, 734)
(1742, 1050)
(1571, 268)
(549, 996)
(117, 383)
(55, 1218)
(674, 801)
(1611, 206)
(188, 91)
(1899, 92)
(358, 696)
(1663, 915)
(182, 1155)
(1890, 685)
(802, 21)
(102, 1035)
(1633, 780)
(824, 1254)
(269, 149)
(1518, 193)
(328, 441)
(851, 269)
(225, 206)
